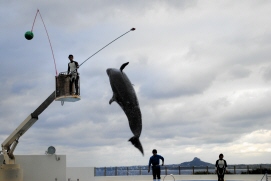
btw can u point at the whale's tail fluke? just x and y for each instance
(135, 141)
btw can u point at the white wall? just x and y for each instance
(41, 167)
(81, 173)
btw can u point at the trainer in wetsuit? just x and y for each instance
(220, 167)
(72, 70)
(154, 161)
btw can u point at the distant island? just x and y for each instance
(196, 162)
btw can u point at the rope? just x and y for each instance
(38, 11)
(170, 175)
(34, 21)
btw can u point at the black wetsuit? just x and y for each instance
(72, 67)
(221, 166)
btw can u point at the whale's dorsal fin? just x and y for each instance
(123, 66)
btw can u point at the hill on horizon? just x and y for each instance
(196, 162)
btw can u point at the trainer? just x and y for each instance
(220, 167)
(74, 75)
(154, 161)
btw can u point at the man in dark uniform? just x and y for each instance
(72, 70)
(221, 167)
(154, 161)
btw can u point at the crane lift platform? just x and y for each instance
(62, 92)
(9, 170)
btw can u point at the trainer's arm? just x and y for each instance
(68, 69)
(226, 166)
(149, 166)
(162, 158)
(216, 164)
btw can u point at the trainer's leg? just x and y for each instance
(220, 174)
(76, 85)
(222, 177)
(71, 84)
(158, 173)
(154, 173)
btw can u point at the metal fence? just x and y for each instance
(179, 170)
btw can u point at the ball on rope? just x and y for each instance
(29, 35)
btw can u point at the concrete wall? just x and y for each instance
(41, 167)
(81, 173)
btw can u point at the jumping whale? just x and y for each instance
(124, 94)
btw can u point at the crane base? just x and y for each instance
(11, 172)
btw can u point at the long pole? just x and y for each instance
(132, 29)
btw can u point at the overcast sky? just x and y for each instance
(201, 71)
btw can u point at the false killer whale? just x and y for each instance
(124, 94)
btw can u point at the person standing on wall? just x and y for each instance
(221, 167)
(72, 70)
(154, 161)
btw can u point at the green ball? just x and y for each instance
(29, 35)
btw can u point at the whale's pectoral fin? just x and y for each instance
(135, 141)
(112, 99)
(123, 66)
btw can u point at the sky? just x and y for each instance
(201, 71)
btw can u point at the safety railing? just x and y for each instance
(180, 170)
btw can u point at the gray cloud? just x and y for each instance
(266, 73)
(200, 70)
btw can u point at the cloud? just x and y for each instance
(266, 73)
(200, 71)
